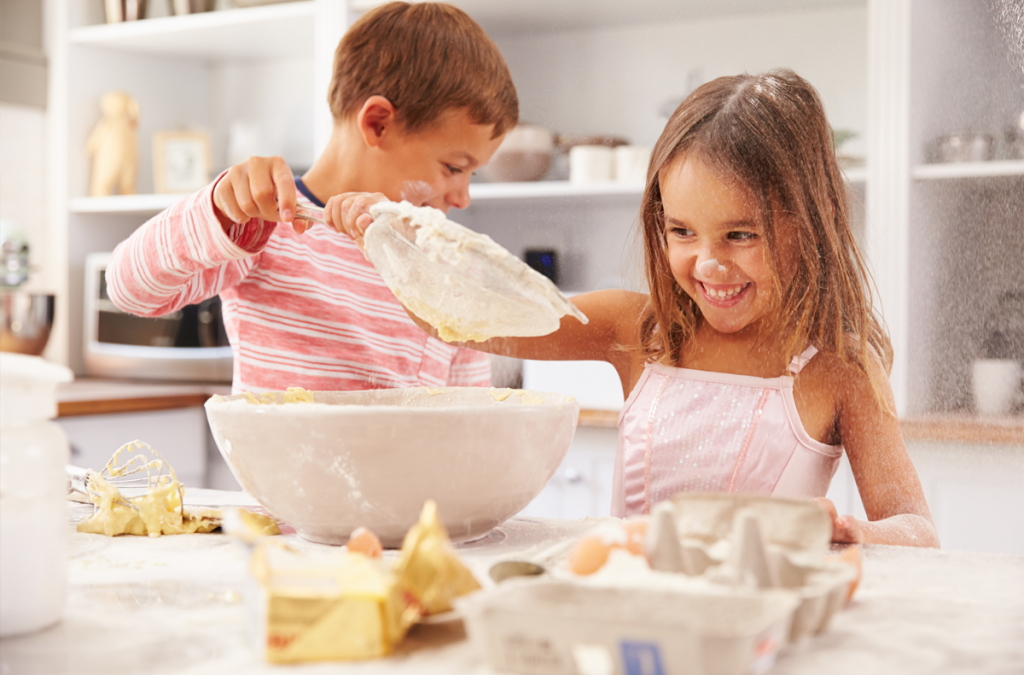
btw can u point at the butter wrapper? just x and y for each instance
(325, 606)
(339, 605)
(429, 571)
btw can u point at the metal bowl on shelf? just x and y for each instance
(25, 321)
(962, 148)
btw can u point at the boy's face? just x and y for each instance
(432, 166)
(716, 245)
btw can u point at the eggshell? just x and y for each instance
(852, 556)
(365, 542)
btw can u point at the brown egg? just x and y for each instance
(365, 542)
(589, 554)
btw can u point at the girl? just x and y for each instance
(756, 360)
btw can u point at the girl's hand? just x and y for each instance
(260, 187)
(349, 213)
(845, 529)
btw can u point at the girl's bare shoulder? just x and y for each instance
(847, 381)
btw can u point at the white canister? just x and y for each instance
(591, 164)
(631, 163)
(997, 385)
(33, 495)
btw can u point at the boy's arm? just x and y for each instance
(183, 256)
(204, 244)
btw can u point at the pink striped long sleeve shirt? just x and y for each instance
(299, 310)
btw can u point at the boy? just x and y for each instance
(421, 98)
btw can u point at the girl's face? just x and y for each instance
(716, 245)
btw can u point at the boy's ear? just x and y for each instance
(375, 118)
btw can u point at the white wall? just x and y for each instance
(614, 80)
(617, 80)
(274, 96)
(22, 181)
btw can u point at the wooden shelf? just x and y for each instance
(252, 32)
(600, 419)
(968, 170)
(963, 428)
(93, 396)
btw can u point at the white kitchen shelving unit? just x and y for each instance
(227, 34)
(201, 71)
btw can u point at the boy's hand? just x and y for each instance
(349, 213)
(845, 529)
(260, 187)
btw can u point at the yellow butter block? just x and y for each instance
(338, 606)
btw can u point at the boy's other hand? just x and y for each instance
(349, 213)
(260, 187)
(845, 529)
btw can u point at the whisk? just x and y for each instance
(312, 214)
(81, 481)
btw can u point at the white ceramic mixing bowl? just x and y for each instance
(372, 458)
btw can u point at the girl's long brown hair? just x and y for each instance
(769, 132)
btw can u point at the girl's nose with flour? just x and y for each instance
(711, 268)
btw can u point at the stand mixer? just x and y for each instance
(25, 317)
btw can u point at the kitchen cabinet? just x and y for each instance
(99, 416)
(180, 436)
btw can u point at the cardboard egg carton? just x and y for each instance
(754, 542)
(556, 627)
(732, 579)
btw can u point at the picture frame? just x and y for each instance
(181, 161)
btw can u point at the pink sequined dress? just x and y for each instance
(685, 430)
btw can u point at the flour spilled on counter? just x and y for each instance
(159, 510)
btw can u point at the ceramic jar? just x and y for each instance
(33, 495)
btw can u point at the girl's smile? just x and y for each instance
(715, 245)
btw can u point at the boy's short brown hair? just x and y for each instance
(426, 59)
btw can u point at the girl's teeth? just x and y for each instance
(725, 294)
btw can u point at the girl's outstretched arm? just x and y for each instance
(889, 487)
(614, 322)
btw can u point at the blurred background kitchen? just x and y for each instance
(926, 97)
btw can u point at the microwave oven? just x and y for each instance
(187, 345)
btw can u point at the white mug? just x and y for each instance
(591, 164)
(997, 384)
(631, 163)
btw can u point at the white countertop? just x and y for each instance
(173, 604)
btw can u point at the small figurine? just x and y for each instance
(113, 146)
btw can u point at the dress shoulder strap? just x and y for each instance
(801, 360)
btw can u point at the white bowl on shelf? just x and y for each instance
(372, 458)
